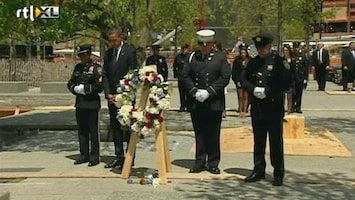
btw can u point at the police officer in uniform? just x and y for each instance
(267, 78)
(178, 66)
(205, 75)
(85, 84)
(301, 75)
(159, 61)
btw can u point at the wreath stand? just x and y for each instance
(161, 145)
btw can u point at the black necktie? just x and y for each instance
(115, 51)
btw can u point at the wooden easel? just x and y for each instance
(161, 142)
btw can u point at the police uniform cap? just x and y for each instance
(205, 36)
(243, 46)
(85, 48)
(296, 44)
(156, 46)
(262, 40)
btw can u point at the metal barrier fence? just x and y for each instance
(34, 72)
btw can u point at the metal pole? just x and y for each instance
(279, 27)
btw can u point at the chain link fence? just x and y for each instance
(34, 72)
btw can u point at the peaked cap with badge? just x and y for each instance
(262, 40)
(85, 48)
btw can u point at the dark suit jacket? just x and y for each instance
(325, 59)
(113, 71)
(211, 73)
(347, 59)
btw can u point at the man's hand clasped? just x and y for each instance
(259, 92)
(202, 95)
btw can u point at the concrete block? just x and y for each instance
(294, 126)
(13, 86)
(4, 195)
(54, 87)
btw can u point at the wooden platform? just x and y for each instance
(317, 141)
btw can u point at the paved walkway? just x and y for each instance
(38, 165)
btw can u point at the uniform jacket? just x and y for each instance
(159, 61)
(347, 59)
(301, 68)
(88, 74)
(211, 73)
(113, 71)
(178, 65)
(273, 73)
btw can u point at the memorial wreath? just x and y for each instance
(149, 120)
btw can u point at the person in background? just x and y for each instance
(288, 54)
(205, 76)
(320, 63)
(301, 76)
(178, 67)
(240, 41)
(239, 65)
(159, 61)
(348, 67)
(86, 84)
(118, 60)
(267, 77)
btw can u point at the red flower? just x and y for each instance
(160, 119)
(141, 136)
(134, 120)
(126, 81)
(149, 125)
(148, 116)
(155, 79)
(146, 80)
(147, 73)
(152, 101)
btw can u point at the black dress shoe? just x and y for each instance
(197, 169)
(299, 111)
(81, 160)
(114, 163)
(93, 163)
(214, 170)
(277, 181)
(253, 177)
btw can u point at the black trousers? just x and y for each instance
(207, 127)
(183, 95)
(261, 128)
(321, 75)
(348, 76)
(87, 121)
(118, 137)
(297, 96)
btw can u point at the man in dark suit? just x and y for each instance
(205, 75)
(348, 67)
(267, 77)
(178, 67)
(118, 60)
(159, 61)
(320, 62)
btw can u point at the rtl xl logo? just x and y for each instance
(43, 12)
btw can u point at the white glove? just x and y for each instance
(304, 81)
(79, 89)
(202, 95)
(259, 92)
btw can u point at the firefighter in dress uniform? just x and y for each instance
(85, 84)
(205, 75)
(267, 78)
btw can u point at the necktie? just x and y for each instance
(114, 56)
